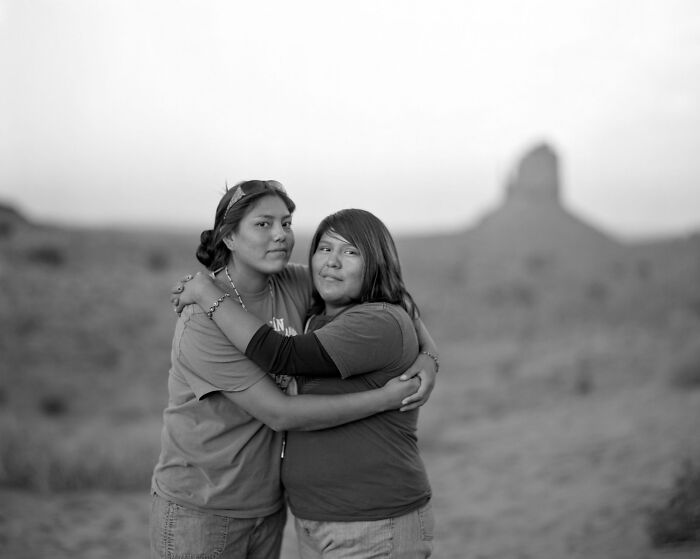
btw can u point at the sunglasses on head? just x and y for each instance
(253, 187)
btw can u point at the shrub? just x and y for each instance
(157, 261)
(514, 294)
(48, 256)
(597, 292)
(694, 307)
(584, 381)
(53, 406)
(6, 229)
(685, 372)
(537, 264)
(678, 520)
(27, 325)
(644, 270)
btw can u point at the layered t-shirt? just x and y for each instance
(368, 469)
(215, 456)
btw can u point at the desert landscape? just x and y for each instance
(564, 423)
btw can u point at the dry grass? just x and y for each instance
(47, 455)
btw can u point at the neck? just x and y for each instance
(331, 311)
(247, 279)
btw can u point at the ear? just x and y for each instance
(228, 241)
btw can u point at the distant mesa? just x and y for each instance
(10, 220)
(533, 228)
(536, 177)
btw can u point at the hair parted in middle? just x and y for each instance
(382, 280)
(233, 207)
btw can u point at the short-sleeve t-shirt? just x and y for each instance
(368, 469)
(215, 456)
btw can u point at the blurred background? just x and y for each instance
(536, 161)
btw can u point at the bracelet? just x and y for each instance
(434, 358)
(212, 309)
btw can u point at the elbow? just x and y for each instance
(278, 426)
(278, 422)
(284, 415)
(282, 423)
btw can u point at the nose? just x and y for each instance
(278, 233)
(332, 261)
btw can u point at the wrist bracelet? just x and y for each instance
(212, 309)
(434, 358)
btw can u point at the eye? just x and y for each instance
(287, 224)
(263, 224)
(321, 248)
(352, 251)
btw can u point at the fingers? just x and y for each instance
(412, 402)
(175, 302)
(416, 397)
(415, 400)
(411, 406)
(409, 374)
(179, 288)
(176, 290)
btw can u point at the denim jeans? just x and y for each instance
(178, 532)
(404, 537)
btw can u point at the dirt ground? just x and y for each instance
(572, 480)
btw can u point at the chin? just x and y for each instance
(275, 267)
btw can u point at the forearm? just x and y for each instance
(293, 355)
(425, 340)
(237, 325)
(427, 345)
(313, 412)
(425, 367)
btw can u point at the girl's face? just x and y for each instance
(337, 267)
(264, 241)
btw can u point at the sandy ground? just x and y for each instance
(568, 481)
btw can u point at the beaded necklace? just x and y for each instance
(238, 295)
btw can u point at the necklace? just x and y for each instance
(238, 295)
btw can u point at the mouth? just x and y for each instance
(330, 278)
(278, 251)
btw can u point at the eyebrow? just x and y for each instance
(272, 216)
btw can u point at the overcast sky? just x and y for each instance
(139, 111)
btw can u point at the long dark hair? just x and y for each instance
(232, 208)
(382, 280)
